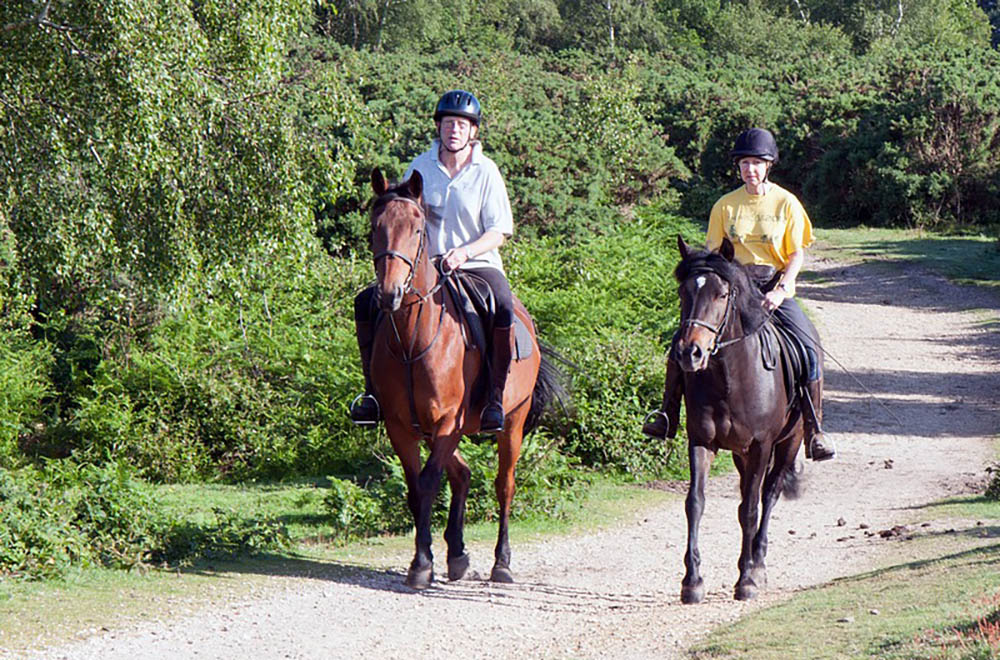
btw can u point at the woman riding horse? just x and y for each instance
(768, 226)
(468, 219)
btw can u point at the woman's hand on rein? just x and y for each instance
(773, 299)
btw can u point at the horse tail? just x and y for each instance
(793, 482)
(550, 387)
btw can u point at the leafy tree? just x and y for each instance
(992, 10)
(895, 22)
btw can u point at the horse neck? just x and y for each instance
(743, 348)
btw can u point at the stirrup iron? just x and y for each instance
(366, 422)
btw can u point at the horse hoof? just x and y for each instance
(691, 594)
(420, 578)
(745, 591)
(457, 566)
(501, 574)
(759, 577)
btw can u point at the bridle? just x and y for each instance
(408, 282)
(720, 328)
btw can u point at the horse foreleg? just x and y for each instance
(421, 572)
(458, 477)
(699, 459)
(752, 470)
(508, 451)
(407, 448)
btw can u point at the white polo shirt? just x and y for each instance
(462, 209)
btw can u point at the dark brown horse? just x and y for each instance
(424, 376)
(733, 402)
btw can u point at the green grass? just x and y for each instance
(927, 604)
(49, 612)
(968, 259)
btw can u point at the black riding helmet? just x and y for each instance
(756, 142)
(459, 103)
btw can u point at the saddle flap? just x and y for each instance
(793, 359)
(473, 296)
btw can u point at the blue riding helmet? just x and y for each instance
(459, 103)
(756, 142)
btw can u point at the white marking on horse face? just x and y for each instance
(700, 281)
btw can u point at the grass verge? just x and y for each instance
(966, 259)
(940, 601)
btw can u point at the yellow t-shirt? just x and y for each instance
(764, 229)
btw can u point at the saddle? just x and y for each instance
(779, 343)
(472, 295)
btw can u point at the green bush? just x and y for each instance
(24, 386)
(993, 489)
(251, 382)
(65, 514)
(225, 535)
(547, 482)
(609, 305)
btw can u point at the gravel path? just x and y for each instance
(928, 349)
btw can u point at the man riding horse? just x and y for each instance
(468, 219)
(768, 226)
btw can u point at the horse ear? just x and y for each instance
(379, 184)
(727, 250)
(683, 247)
(415, 185)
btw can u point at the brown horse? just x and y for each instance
(424, 377)
(733, 402)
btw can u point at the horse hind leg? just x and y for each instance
(459, 476)
(775, 483)
(752, 473)
(508, 451)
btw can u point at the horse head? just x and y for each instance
(397, 237)
(718, 300)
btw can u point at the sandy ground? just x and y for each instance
(928, 350)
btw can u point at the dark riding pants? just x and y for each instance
(503, 298)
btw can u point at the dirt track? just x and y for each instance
(929, 350)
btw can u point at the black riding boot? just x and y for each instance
(661, 424)
(492, 420)
(365, 410)
(818, 446)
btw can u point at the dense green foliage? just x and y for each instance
(183, 192)
(62, 514)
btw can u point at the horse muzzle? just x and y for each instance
(390, 298)
(691, 356)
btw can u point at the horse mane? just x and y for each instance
(748, 299)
